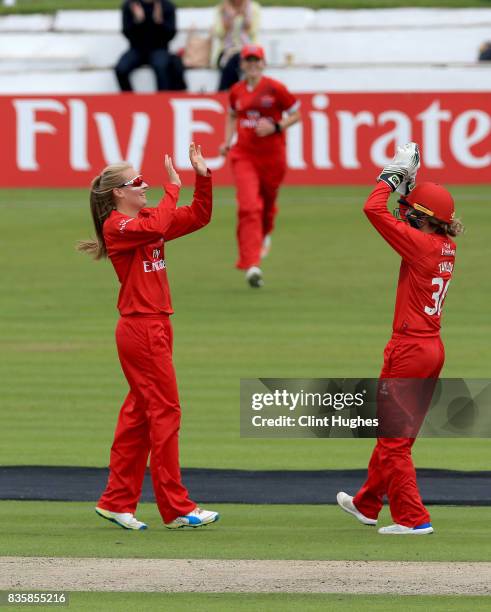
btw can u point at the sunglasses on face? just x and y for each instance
(135, 182)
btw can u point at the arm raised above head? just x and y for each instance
(188, 219)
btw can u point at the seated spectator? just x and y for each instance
(236, 24)
(485, 52)
(149, 25)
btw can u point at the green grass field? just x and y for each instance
(325, 312)
(243, 532)
(36, 6)
(227, 602)
(248, 532)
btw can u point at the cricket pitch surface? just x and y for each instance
(245, 576)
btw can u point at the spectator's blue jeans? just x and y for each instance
(134, 58)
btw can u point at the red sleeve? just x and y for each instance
(128, 233)
(187, 219)
(284, 98)
(409, 242)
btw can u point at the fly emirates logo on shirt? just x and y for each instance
(251, 120)
(157, 264)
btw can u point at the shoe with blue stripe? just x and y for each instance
(423, 529)
(197, 518)
(126, 520)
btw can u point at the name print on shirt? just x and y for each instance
(445, 266)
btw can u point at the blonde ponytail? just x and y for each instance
(102, 203)
(455, 228)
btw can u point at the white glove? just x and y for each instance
(407, 186)
(400, 174)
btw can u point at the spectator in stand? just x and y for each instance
(236, 25)
(485, 52)
(149, 25)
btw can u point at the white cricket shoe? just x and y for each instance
(423, 529)
(126, 520)
(197, 518)
(345, 502)
(254, 277)
(266, 247)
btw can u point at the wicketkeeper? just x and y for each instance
(422, 236)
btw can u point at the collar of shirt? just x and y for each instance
(143, 211)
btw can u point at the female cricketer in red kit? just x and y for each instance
(415, 350)
(134, 237)
(261, 109)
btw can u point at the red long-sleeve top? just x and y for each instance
(426, 268)
(135, 246)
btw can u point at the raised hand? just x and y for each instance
(173, 176)
(197, 160)
(138, 12)
(400, 174)
(158, 16)
(407, 186)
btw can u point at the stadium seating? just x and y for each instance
(74, 51)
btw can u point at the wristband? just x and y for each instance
(277, 127)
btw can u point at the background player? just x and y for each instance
(261, 109)
(133, 237)
(415, 350)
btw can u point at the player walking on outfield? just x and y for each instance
(261, 109)
(133, 237)
(415, 350)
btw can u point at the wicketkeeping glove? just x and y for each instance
(407, 186)
(400, 174)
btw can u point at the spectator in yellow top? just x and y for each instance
(236, 24)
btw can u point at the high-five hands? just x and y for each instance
(197, 160)
(173, 176)
(400, 174)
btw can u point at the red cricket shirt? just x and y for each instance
(135, 246)
(426, 268)
(269, 99)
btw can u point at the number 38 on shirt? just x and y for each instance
(438, 296)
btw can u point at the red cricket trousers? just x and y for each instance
(148, 422)
(391, 470)
(257, 181)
